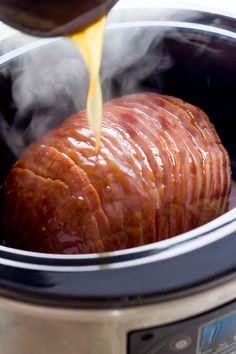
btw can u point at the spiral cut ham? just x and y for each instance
(161, 170)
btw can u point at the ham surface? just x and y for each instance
(161, 170)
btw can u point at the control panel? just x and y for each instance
(211, 333)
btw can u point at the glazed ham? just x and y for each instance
(161, 170)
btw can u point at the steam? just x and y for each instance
(132, 60)
(50, 82)
(46, 84)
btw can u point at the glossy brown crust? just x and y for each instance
(161, 170)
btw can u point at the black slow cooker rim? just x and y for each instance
(42, 261)
(142, 283)
(108, 286)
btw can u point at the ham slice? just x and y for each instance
(161, 170)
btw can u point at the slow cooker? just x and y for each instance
(178, 295)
